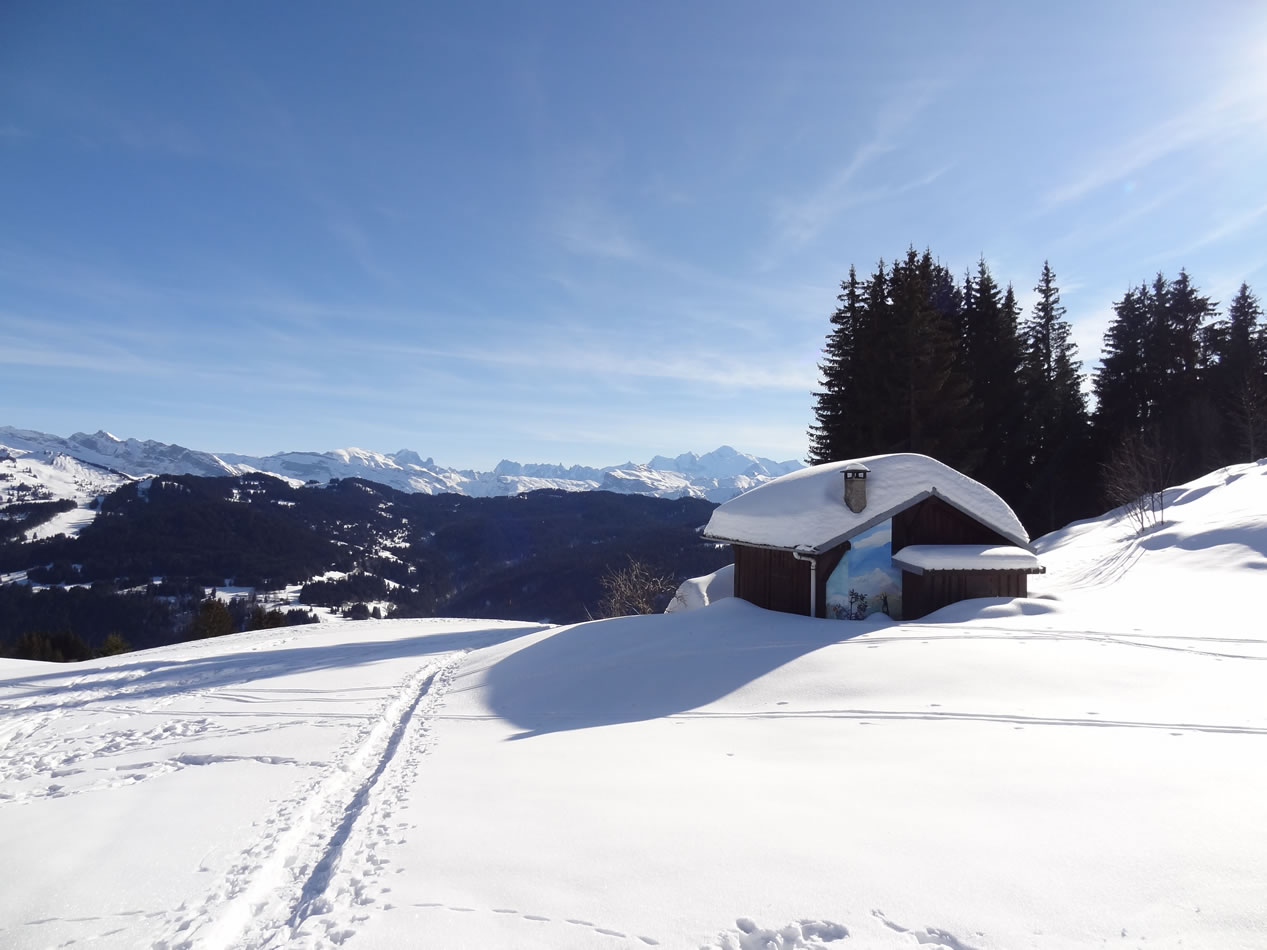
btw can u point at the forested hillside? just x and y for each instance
(157, 545)
(918, 360)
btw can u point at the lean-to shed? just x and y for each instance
(899, 534)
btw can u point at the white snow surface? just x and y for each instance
(965, 557)
(807, 509)
(696, 592)
(50, 475)
(717, 475)
(1083, 768)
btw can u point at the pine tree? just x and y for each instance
(1186, 407)
(874, 390)
(1155, 379)
(992, 357)
(1186, 312)
(1121, 383)
(831, 415)
(1240, 378)
(931, 395)
(1057, 428)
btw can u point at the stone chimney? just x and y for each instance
(856, 486)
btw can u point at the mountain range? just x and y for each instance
(716, 476)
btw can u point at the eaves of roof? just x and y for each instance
(874, 520)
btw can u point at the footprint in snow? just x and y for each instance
(542, 919)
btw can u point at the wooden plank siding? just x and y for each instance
(778, 581)
(932, 590)
(771, 579)
(932, 521)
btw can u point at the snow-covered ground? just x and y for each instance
(1084, 768)
(696, 592)
(47, 475)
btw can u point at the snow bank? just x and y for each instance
(695, 592)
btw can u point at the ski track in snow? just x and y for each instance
(318, 867)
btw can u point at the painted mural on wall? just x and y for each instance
(865, 582)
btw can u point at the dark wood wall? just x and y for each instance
(932, 521)
(778, 581)
(772, 579)
(932, 590)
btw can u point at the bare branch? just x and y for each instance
(633, 589)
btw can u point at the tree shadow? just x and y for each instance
(1248, 533)
(632, 669)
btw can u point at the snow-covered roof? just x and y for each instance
(918, 558)
(805, 510)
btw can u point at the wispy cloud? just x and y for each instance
(586, 226)
(357, 243)
(1221, 117)
(612, 362)
(1233, 226)
(801, 220)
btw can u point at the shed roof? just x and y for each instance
(918, 558)
(805, 510)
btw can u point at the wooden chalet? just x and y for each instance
(903, 534)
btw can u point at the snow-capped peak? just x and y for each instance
(717, 475)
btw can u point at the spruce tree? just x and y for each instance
(1192, 425)
(1121, 384)
(1056, 430)
(992, 359)
(932, 393)
(831, 410)
(1241, 377)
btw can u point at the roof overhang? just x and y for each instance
(871, 522)
(930, 558)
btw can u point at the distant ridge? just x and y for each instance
(716, 476)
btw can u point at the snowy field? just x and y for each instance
(1085, 768)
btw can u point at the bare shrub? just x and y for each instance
(633, 589)
(1135, 479)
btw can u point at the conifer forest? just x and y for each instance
(917, 360)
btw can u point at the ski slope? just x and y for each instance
(1083, 768)
(52, 476)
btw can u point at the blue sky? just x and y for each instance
(583, 232)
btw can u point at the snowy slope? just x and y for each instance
(49, 475)
(1080, 769)
(717, 475)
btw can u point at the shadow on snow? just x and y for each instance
(71, 685)
(631, 669)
